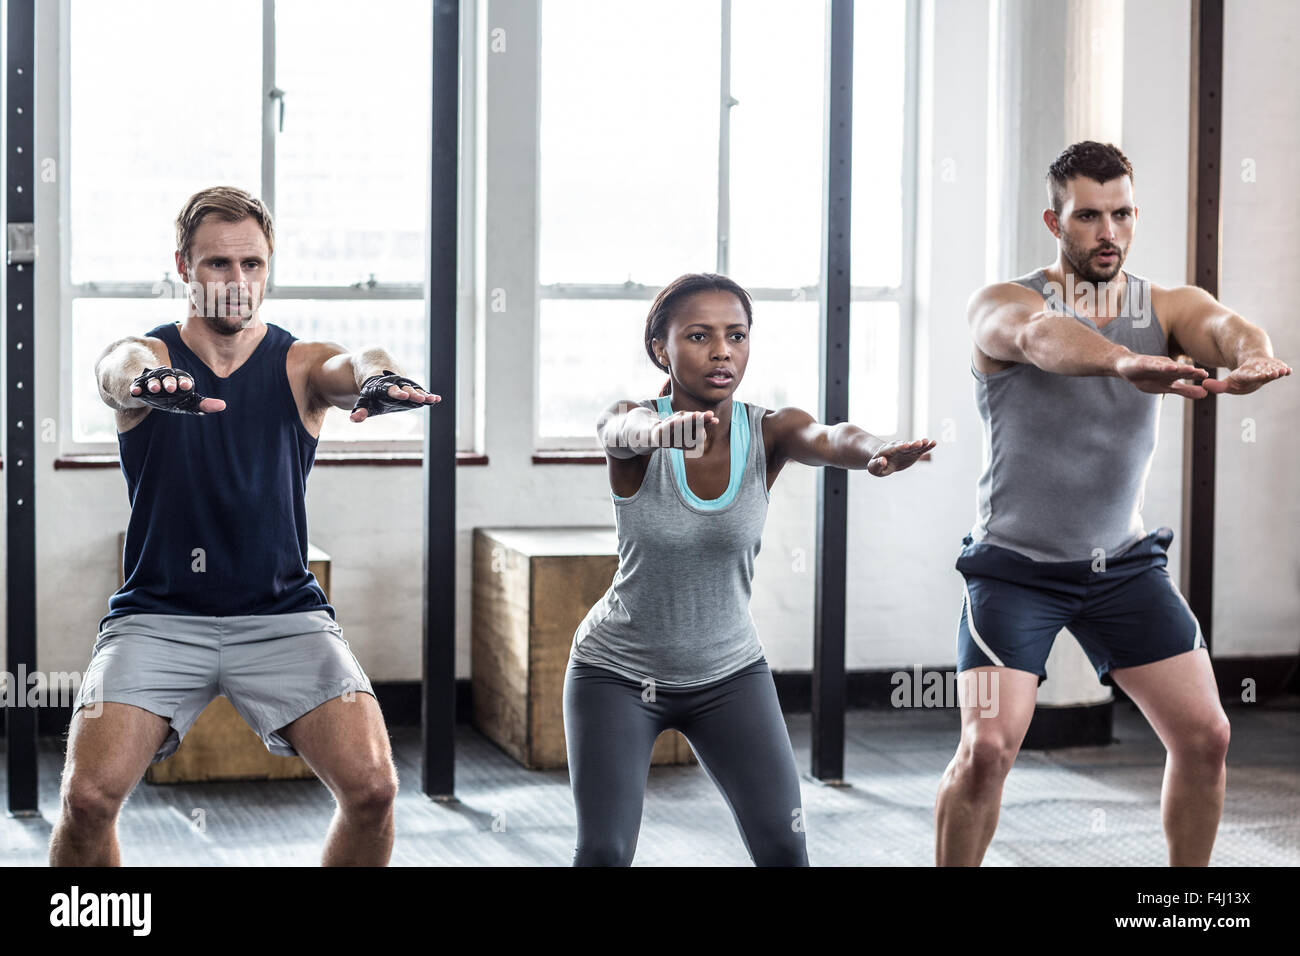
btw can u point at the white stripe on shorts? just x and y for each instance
(974, 633)
(1199, 639)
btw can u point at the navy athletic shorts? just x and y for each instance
(1124, 615)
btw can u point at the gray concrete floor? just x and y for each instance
(1083, 806)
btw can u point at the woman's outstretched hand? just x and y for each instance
(684, 430)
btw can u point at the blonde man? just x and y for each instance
(218, 419)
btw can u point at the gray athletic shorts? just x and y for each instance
(273, 667)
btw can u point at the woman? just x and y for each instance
(672, 643)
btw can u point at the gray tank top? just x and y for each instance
(1066, 457)
(678, 610)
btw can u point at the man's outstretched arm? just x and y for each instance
(122, 364)
(338, 377)
(1012, 325)
(1216, 337)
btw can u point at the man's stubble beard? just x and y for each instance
(210, 308)
(1078, 259)
(227, 324)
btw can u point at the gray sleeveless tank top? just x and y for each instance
(1066, 457)
(677, 612)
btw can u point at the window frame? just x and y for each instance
(69, 292)
(904, 293)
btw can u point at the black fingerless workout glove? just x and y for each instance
(185, 402)
(375, 399)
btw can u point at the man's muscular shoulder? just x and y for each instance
(996, 294)
(1170, 306)
(305, 363)
(303, 360)
(982, 304)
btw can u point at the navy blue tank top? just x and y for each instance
(218, 512)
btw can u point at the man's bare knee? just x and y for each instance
(89, 805)
(985, 759)
(370, 792)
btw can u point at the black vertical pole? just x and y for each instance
(1204, 221)
(438, 710)
(20, 427)
(832, 494)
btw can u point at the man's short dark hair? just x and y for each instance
(1100, 161)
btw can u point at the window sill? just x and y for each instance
(395, 459)
(592, 457)
(596, 458)
(325, 459)
(331, 459)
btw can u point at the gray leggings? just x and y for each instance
(737, 732)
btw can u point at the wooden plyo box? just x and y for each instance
(220, 745)
(532, 588)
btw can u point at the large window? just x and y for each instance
(320, 111)
(687, 136)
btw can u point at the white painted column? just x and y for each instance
(1060, 79)
(508, 297)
